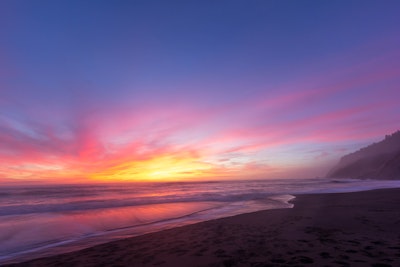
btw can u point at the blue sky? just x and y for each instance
(197, 89)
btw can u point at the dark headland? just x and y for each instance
(377, 161)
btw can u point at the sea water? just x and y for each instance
(44, 220)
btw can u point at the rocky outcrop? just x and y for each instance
(377, 161)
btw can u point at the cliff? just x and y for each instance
(377, 161)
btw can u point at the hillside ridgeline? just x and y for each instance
(377, 161)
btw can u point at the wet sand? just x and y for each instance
(349, 229)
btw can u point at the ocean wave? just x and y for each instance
(61, 199)
(20, 209)
(32, 233)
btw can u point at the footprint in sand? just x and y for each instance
(380, 265)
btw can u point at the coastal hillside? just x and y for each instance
(377, 161)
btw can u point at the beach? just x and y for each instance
(336, 229)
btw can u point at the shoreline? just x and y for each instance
(146, 227)
(335, 229)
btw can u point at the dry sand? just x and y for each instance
(350, 229)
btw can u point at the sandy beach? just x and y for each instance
(343, 229)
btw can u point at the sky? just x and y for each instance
(193, 90)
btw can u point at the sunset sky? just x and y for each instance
(193, 90)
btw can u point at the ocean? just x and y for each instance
(44, 220)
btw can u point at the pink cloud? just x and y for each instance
(358, 102)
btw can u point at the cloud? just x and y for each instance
(186, 137)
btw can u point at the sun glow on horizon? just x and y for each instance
(149, 91)
(162, 168)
